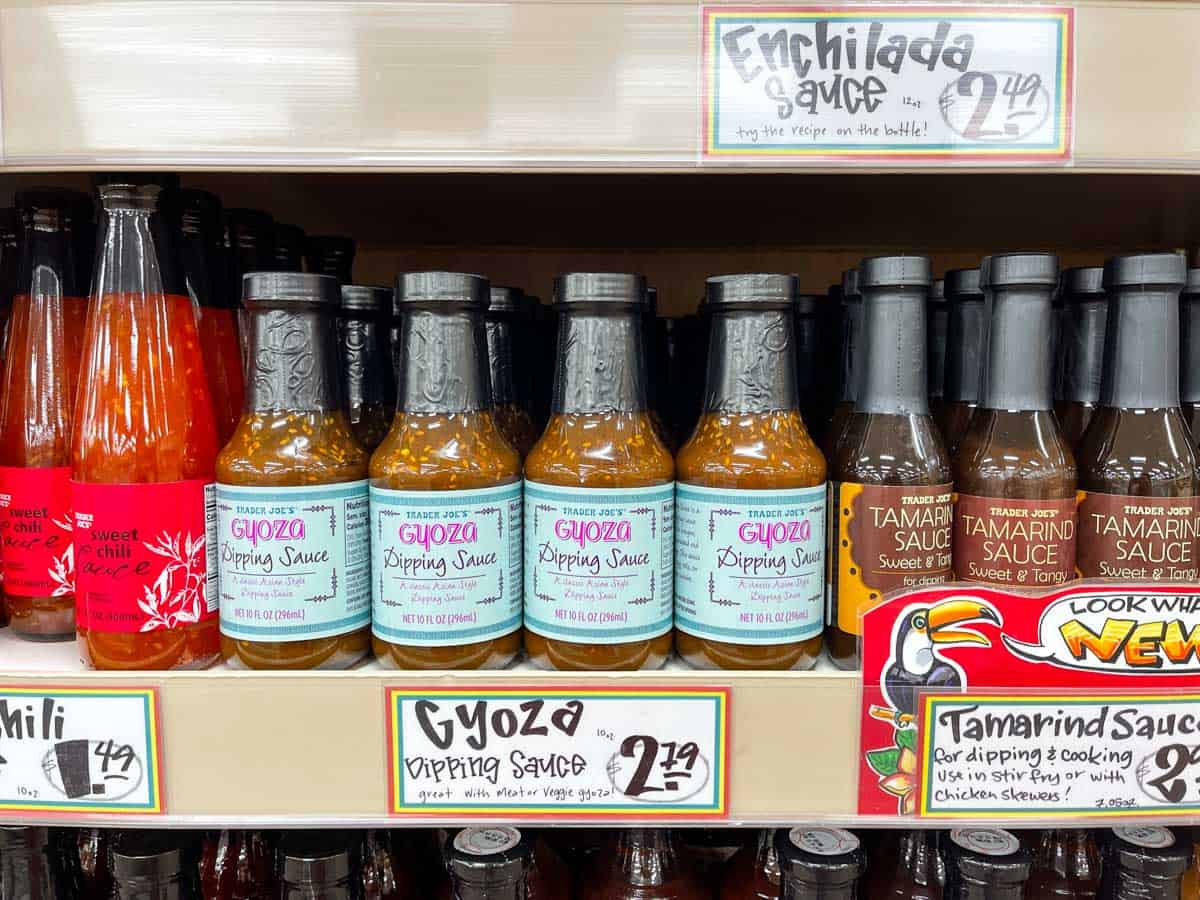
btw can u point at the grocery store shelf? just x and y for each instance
(452, 84)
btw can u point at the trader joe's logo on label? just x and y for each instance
(983, 83)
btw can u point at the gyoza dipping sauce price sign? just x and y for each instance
(80, 750)
(641, 753)
(992, 755)
(935, 83)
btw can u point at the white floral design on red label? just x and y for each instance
(35, 525)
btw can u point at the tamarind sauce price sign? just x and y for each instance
(80, 750)
(980, 84)
(642, 753)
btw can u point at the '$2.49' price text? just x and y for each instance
(1172, 774)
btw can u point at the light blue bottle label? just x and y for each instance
(598, 562)
(293, 562)
(750, 565)
(446, 565)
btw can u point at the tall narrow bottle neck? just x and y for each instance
(892, 370)
(293, 361)
(1017, 368)
(965, 331)
(1084, 347)
(500, 359)
(648, 858)
(443, 362)
(1141, 349)
(1189, 325)
(47, 259)
(852, 321)
(366, 360)
(135, 253)
(600, 367)
(751, 362)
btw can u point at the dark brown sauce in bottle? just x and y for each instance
(1144, 863)
(1014, 517)
(917, 871)
(644, 864)
(819, 864)
(986, 864)
(1082, 344)
(851, 335)
(889, 485)
(1137, 463)
(1066, 866)
(753, 873)
(966, 331)
(1189, 371)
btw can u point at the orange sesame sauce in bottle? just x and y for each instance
(294, 544)
(599, 496)
(41, 368)
(512, 418)
(367, 374)
(143, 455)
(750, 517)
(445, 493)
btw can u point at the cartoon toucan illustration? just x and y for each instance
(915, 663)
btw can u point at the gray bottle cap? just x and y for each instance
(850, 284)
(291, 287)
(1083, 283)
(442, 287)
(937, 291)
(489, 856)
(759, 290)
(1167, 270)
(600, 287)
(371, 298)
(504, 299)
(146, 854)
(962, 284)
(894, 271)
(311, 858)
(808, 304)
(1193, 282)
(1016, 269)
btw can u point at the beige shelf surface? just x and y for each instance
(455, 84)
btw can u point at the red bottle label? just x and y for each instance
(35, 522)
(145, 554)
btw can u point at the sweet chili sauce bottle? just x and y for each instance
(331, 255)
(1189, 361)
(1082, 346)
(966, 329)
(851, 334)
(986, 864)
(1066, 866)
(753, 873)
(367, 374)
(750, 493)
(890, 507)
(143, 454)
(237, 865)
(41, 373)
(643, 864)
(445, 493)
(937, 313)
(512, 418)
(1139, 518)
(288, 251)
(819, 863)
(293, 541)
(197, 222)
(599, 494)
(1144, 863)
(1014, 516)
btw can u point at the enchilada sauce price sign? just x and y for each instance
(931, 83)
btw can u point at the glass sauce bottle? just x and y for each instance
(512, 418)
(937, 325)
(851, 335)
(198, 227)
(986, 864)
(295, 591)
(753, 873)
(599, 497)
(445, 493)
(819, 863)
(890, 490)
(750, 493)
(250, 246)
(1082, 347)
(386, 873)
(811, 377)
(1144, 863)
(143, 455)
(1066, 866)
(917, 872)
(150, 865)
(26, 870)
(328, 254)
(1139, 517)
(367, 374)
(966, 327)
(288, 252)
(493, 863)
(1014, 516)
(1189, 362)
(236, 865)
(313, 865)
(41, 372)
(643, 864)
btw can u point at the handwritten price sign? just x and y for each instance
(1086, 755)
(86, 750)
(643, 753)
(929, 83)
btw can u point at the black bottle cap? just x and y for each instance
(651, 300)
(1083, 283)
(291, 287)
(252, 221)
(1192, 286)
(1150, 850)
(330, 254)
(1020, 269)
(442, 287)
(828, 856)
(290, 236)
(894, 271)
(147, 854)
(504, 299)
(10, 220)
(600, 287)
(963, 284)
(758, 290)
(196, 210)
(371, 298)
(313, 857)
(808, 304)
(1168, 270)
(990, 855)
(489, 856)
(850, 289)
(937, 291)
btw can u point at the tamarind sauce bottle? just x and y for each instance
(1189, 362)
(1082, 350)
(851, 335)
(966, 331)
(1139, 515)
(1014, 474)
(937, 333)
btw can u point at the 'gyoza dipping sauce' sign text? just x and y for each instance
(930, 83)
